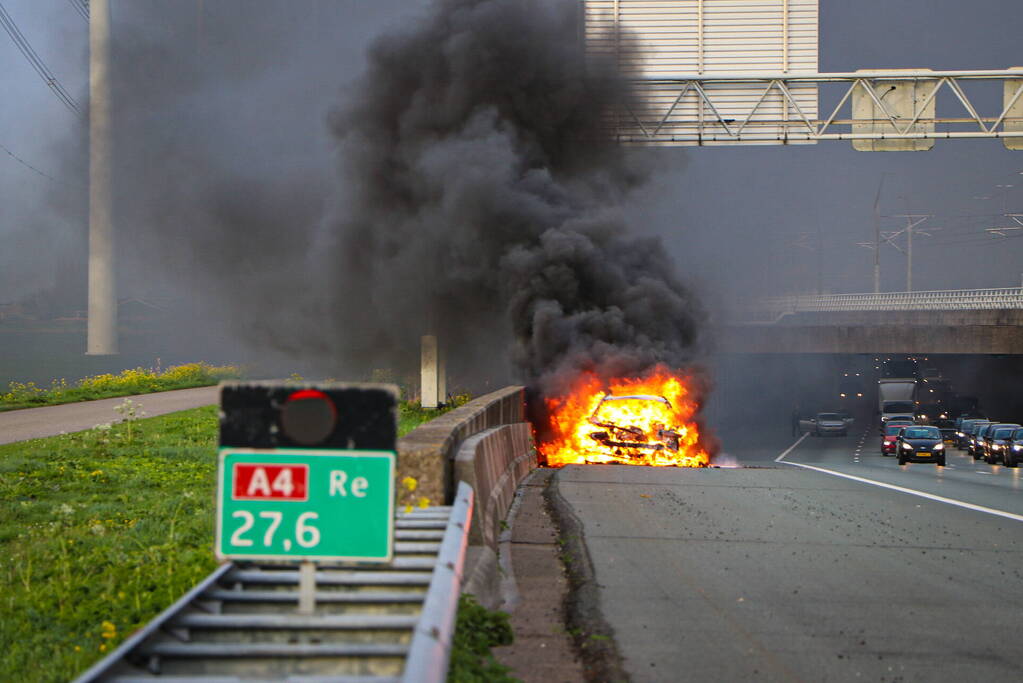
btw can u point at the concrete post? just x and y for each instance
(102, 324)
(909, 257)
(429, 391)
(442, 375)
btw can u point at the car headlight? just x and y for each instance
(996, 446)
(959, 434)
(1017, 447)
(939, 447)
(907, 446)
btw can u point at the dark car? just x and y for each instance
(850, 387)
(962, 423)
(1013, 455)
(891, 433)
(947, 429)
(930, 413)
(996, 440)
(963, 431)
(920, 443)
(973, 433)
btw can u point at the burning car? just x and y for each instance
(645, 420)
(641, 432)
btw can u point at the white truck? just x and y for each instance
(896, 397)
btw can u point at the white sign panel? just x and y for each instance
(675, 49)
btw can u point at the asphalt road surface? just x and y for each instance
(35, 423)
(857, 569)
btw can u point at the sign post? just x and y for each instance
(306, 476)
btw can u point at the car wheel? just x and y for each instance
(1010, 460)
(941, 462)
(902, 460)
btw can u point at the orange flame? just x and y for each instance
(585, 428)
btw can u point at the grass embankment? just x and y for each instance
(478, 629)
(100, 531)
(127, 383)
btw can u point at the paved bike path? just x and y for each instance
(35, 423)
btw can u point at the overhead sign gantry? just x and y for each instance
(745, 72)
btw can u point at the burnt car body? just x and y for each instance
(630, 441)
(920, 443)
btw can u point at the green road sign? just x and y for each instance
(296, 504)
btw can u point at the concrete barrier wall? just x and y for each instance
(427, 453)
(493, 463)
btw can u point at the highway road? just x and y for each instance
(857, 569)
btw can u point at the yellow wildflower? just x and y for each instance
(109, 630)
(409, 483)
(424, 502)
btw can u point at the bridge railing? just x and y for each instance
(773, 308)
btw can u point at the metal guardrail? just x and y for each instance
(773, 308)
(374, 624)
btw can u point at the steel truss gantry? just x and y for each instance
(781, 108)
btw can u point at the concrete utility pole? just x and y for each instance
(433, 388)
(909, 258)
(912, 220)
(102, 324)
(877, 236)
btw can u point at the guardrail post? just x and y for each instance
(307, 587)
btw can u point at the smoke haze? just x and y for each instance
(480, 200)
(472, 196)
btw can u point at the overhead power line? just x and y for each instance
(81, 8)
(33, 59)
(26, 164)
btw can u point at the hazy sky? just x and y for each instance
(730, 215)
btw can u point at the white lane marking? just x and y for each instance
(789, 449)
(902, 489)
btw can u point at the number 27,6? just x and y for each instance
(306, 535)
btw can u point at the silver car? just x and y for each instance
(829, 423)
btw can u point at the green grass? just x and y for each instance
(109, 525)
(102, 530)
(411, 415)
(478, 629)
(127, 383)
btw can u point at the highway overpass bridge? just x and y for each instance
(975, 321)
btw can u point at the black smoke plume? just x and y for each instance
(475, 195)
(480, 201)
